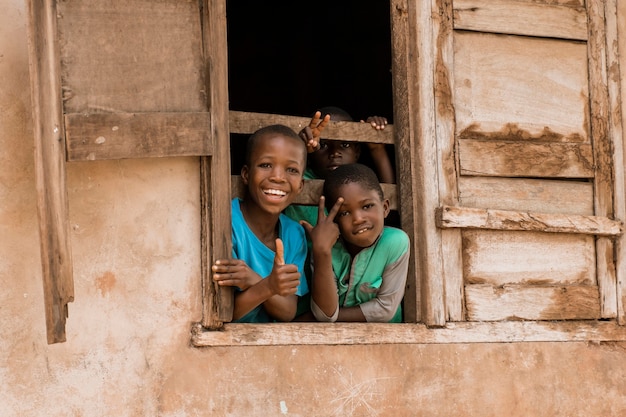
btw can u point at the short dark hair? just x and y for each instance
(337, 111)
(283, 130)
(346, 174)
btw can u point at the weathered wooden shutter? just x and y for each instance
(129, 79)
(520, 142)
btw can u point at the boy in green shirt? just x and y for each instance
(362, 278)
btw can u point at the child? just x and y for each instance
(269, 249)
(325, 155)
(361, 278)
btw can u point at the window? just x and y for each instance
(506, 163)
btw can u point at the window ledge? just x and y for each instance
(277, 334)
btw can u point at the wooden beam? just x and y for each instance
(248, 122)
(54, 230)
(476, 218)
(329, 334)
(521, 18)
(101, 136)
(602, 151)
(312, 190)
(215, 171)
(531, 302)
(500, 158)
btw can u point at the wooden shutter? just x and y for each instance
(129, 79)
(524, 125)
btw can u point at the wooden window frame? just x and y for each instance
(423, 114)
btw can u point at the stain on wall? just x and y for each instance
(135, 238)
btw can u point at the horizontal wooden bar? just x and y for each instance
(100, 136)
(312, 190)
(247, 123)
(477, 218)
(532, 302)
(329, 334)
(521, 18)
(500, 158)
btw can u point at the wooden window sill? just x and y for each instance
(277, 334)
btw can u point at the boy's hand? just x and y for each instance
(234, 273)
(312, 133)
(326, 232)
(377, 122)
(284, 279)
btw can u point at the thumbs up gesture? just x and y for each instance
(284, 279)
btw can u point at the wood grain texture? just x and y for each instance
(102, 136)
(602, 150)
(520, 302)
(520, 88)
(526, 159)
(500, 258)
(447, 157)
(404, 64)
(524, 194)
(476, 218)
(249, 122)
(131, 56)
(50, 176)
(329, 334)
(218, 302)
(518, 18)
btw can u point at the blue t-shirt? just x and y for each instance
(260, 258)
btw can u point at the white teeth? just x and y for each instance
(275, 192)
(361, 231)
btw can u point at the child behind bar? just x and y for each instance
(269, 249)
(363, 277)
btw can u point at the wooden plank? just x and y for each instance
(523, 194)
(447, 158)
(500, 258)
(218, 302)
(312, 190)
(101, 136)
(526, 159)
(515, 18)
(616, 133)
(602, 151)
(477, 218)
(329, 334)
(248, 122)
(488, 303)
(520, 88)
(131, 56)
(48, 130)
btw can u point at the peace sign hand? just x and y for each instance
(311, 134)
(326, 232)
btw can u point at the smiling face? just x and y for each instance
(361, 218)
(274, 172)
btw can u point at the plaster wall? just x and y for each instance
(135, 241)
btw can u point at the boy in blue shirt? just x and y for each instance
(359, 264)
(269, 249)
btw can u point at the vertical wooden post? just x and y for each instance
(616, 134)
(603, 153)
(414, 122)
(49, 134)
(215, 170)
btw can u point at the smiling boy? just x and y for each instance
(269, 249)
(363, 277)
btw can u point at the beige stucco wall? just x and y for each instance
(135, 240)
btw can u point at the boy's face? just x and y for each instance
(274, 173)
(331, 154)
(361, 217)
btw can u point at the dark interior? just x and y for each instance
(293, 57)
